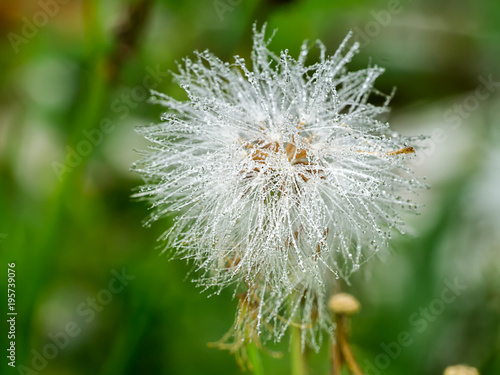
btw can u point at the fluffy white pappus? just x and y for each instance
(280, 177)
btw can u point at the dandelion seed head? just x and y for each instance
(280, 175)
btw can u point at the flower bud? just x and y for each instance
(461, 370)
(344, 304)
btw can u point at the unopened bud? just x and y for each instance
(344, 304)
(461, 370)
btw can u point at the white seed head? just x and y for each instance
(279, 175)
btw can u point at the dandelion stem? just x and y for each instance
(336, 357)
(343, 305)
(344, 346)
(299, 365)
(254, 359)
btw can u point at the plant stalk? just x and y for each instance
(254, 359)
(298, 361)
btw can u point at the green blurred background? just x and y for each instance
(72, 92)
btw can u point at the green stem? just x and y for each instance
(254, 359)
(299, 366)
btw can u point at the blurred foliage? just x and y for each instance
(86, 64)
